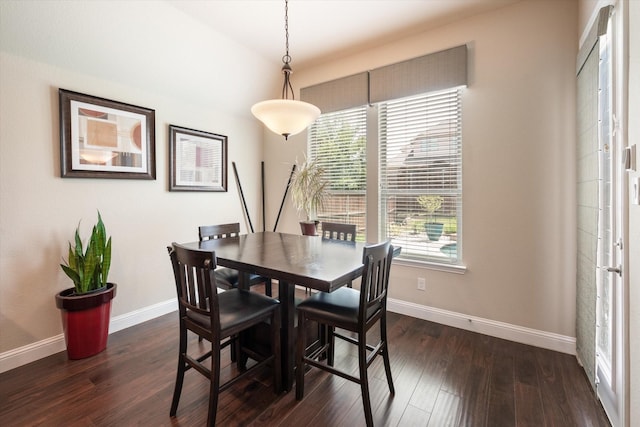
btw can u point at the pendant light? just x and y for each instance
(286, 116)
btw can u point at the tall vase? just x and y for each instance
(85, 320)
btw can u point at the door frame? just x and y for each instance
(615, 399)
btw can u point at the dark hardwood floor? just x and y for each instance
(443, 377)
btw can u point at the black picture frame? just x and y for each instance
(197, 160)
(102, 138)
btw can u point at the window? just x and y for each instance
(420, 156)
(420, 175)
(410, 114)
(338, 145)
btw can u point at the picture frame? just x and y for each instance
(197, 160)
(102, 138)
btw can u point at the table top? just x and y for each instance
(310, 261)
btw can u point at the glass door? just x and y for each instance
(609, 279)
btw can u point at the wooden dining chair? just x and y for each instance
(218, 318)
(338, 231)
(355, 311)
(228, 276)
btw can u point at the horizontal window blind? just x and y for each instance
(337, 143)
(421, 175)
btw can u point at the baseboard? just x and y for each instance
(32, 352)
(548, 340)
(138, 316)
(38, 350)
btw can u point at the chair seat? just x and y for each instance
(221, 282)
(339, 307)
(231, 276)
(237, 307)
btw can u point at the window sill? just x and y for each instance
(447, 268)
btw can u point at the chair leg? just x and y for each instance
(214, 385)
(364, 380)
(300, 357)
(177, 390)
(331, 340)
(233, 350)
(267, 288)
(275, 349)
(385, 353)
(387, 367)
(241, 358)
(322, 339)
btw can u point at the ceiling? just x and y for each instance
(321, 29)
(228, 70)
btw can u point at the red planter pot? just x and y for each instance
(308, 228)
(85, 320)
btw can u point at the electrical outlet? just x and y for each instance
(422, 285)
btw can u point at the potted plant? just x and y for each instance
(86, 308)
(308, 193)
(431, 204)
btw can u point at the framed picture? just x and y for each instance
(100, 138)
(197, 160)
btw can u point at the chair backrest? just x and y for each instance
(375, 280)
(195, 281)
(337, 231)
(220, 231)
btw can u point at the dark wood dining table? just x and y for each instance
(309, 261)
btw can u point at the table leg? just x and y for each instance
(286, 293)
(244, 280)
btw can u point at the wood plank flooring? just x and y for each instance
(443, 377)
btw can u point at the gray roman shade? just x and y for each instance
(598, 29)
(428, 73)
(339, 94)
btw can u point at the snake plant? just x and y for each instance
(89, 269)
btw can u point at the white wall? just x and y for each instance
(518, 165)
(82, 46)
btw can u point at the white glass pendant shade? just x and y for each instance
(285, 116)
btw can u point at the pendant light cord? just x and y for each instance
(286, 59)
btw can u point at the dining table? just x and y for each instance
(291, 259)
